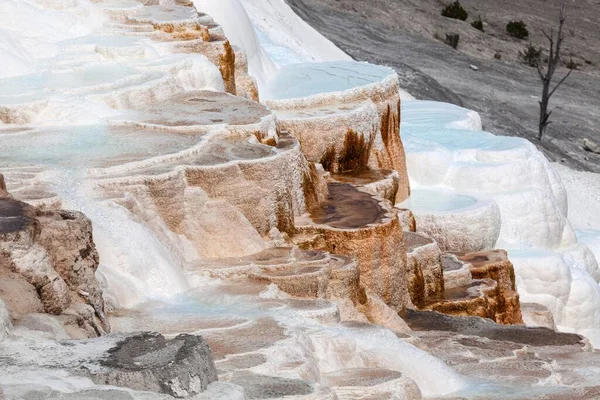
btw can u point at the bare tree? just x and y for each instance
(546, 72)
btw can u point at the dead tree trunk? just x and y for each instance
(546, 72)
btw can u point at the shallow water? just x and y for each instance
(88, 146)
(422, 200)
(88, 77)
(302, 80)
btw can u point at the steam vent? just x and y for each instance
(190, 210)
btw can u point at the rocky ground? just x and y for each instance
(405, 35)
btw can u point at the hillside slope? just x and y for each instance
(400, 33)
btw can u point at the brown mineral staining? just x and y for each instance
(355, 153)
(394, 157)
(347, 208)
(270, 142)
(424, 268)
(495, 265)
(491, 294)
(416, 283)
(310, 182)
(227, 67)
(328, 159)
(262, 139)
(284, 214)
(251, 89)
(356, 224)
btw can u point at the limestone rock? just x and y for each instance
(181, 367)
(407, 220)
(51, 253)
(423, 267)
(495, 265)
(381, 314)
(355, 224)
(20, 252)
(366, 111)
(537, 315)
(67, 238)
(469, 225)
(20, 297)
(456, 272)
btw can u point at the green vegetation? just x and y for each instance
(478, 24)
(452, 39)
(455, 11)
(531, 56)
(517, 29)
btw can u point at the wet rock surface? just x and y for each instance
(347, 208)
(270, 387)
(420, 320)
(509, 362)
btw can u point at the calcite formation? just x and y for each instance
(480, 284)
(424, 268)
(354, 224)
(322, 167)
(457, 222)
(496, 266)
(288, 228)
(447, 148)
(352, 125)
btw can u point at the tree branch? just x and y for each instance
(550, 38)
(560, 83)
(540, 70)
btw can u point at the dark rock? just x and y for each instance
(474, 326)
(14, 215)
(180, 367)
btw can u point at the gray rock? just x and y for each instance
(475, 326)
(590, 146)
(5, 323)
(181, 367)
(46, 324)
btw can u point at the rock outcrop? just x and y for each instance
(48, 261)
(355, 224)
(353, 125)
(496, 266)
(181, 367)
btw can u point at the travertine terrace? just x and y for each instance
(265, 249)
